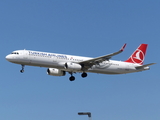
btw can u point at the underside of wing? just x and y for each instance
(89, 63)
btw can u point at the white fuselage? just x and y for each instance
(54, 60)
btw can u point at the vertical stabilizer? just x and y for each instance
(138, 55)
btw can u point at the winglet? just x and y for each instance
(122, 49)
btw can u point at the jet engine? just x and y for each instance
(55, 72)
(73, 66)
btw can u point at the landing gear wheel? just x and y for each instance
(21, 71)
(84, 75)
(72, 78)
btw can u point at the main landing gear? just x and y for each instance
(22, 70)
(84, 75)
(72, 78)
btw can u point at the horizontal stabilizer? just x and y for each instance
(143, 66)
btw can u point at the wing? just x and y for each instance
(89, 63)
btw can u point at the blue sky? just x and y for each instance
(85, 28)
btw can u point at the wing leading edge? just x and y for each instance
(89, 63)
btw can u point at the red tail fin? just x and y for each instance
(138, 55)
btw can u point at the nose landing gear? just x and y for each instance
(22, 70)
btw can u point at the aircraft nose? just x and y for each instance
(8, 57)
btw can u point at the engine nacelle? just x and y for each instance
(55, 72)
(73, 66)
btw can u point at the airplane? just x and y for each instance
(59, 64)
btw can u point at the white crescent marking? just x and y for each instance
(138, 55)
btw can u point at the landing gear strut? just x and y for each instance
(22, 70)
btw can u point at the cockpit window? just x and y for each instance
(14, 53)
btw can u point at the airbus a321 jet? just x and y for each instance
(59, 64)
